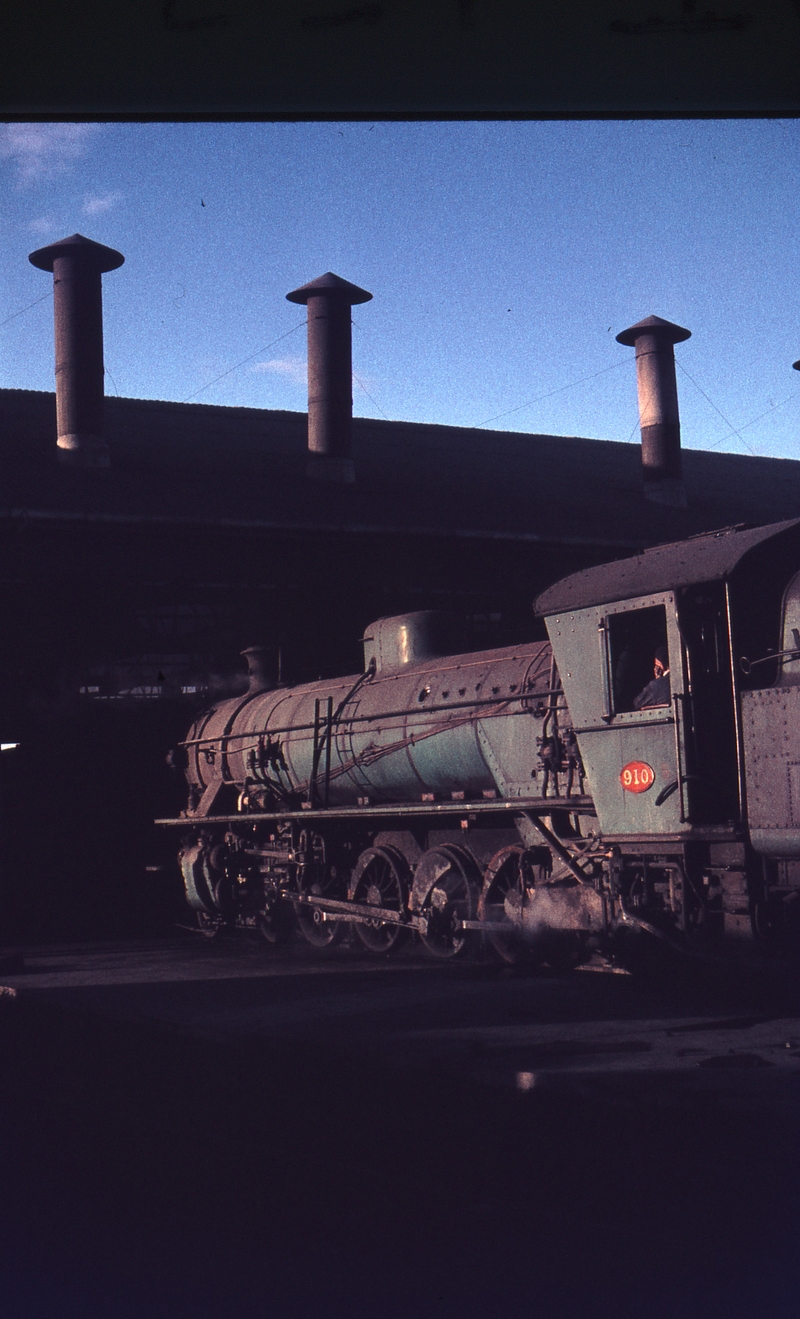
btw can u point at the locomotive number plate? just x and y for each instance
(637, 776)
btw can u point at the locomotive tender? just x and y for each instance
(519, 792)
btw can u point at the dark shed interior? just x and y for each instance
(129, 592)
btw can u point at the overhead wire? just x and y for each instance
(760, 417)
(634, 430)
(245, 360)
(14, 315)
(360, 382)
(732, 429)
(584, 379)
(520, 407)
(369, 396)
(718, 410)
(550, 394)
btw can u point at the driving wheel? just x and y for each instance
(380, 880)
(314, 924)
(209, 926)
(275, 921)
(446, 892)
(501, 901)
(318, 879)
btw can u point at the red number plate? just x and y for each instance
(637, 776)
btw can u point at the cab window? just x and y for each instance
(635, 638)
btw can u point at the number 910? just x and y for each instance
(637, 776)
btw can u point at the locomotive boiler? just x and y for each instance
(549, 797)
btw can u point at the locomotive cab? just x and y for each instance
(699, 799)
(605, 655)
(660, 755)
(681, 768)
(771, 735)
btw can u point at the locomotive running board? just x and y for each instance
(495, 806)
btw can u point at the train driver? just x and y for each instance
(656, 692)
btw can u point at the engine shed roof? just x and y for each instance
(706, 558)
(210, 466)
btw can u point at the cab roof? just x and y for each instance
(707, 558)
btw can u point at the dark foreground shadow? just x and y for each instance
(145, 1174)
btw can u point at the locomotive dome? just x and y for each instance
(391, 643)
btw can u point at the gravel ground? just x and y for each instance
(196, 1130)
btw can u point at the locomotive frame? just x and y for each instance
(398, 802)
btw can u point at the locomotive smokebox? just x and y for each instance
(659, 420)
(330, 374)
(78, 265)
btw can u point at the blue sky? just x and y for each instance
(503, 259)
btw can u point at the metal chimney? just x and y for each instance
(261, 677)
(658, 407)
(330, 374)
(78, 264)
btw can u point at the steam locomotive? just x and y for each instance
(534, 797)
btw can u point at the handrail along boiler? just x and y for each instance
(520, 792)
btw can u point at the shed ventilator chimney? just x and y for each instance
(330, 374)
(658, 407)
(78, 264)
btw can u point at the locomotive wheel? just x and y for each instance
(379, 880)
(275, 922)
(503, 889)
(209, 926)
(446, 891)
(313, 926)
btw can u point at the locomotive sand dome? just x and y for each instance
(542, 794)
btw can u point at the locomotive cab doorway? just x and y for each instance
(711, 733)
(643, 679)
